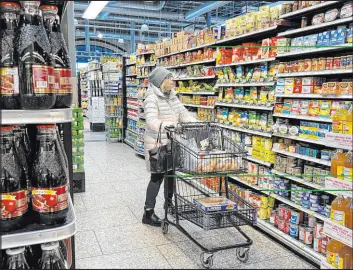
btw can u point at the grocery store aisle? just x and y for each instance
(111, 235)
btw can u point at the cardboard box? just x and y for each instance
(307, 89)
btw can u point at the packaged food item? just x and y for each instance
(318, 19)
(331, 15)
(346, 10)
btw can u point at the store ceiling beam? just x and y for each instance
(155, 6)
(204, 8)
(135, 12)
(108, 35)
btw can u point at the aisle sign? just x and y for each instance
(332, 183)
(344, 140)
(338, 232)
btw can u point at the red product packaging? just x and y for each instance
(286, 227)
(287, 214)
(297, 81)
(276, 220)
(278, 108)
(273, 49)
(238, 54)
(265, 49)
(280, 223)
(281, 210)
(250, 49)
(226, 56)
(297, 89)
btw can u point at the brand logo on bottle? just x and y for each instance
(9, 83)
(13, 204)
(48, 200)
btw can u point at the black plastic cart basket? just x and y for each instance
(193, 168)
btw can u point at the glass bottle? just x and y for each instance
(13, 188)
(36, 71)
(59, 51)
(49, 178)
(51, 257)
(9, 80)
(16, 258)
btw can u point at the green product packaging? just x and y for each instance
(252, 120)
(263, 122)
(253, 95)
(240, 74)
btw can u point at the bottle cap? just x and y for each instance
(50, 246)
(15, 251)
(45, 126)
(10, 4)
(6, 128)
(49, 8)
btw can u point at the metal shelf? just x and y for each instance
(130, 64)
(314, 96)
(142, 77)
(316, 73)
(248, 62)
(320, 141)
(315, 27)
(303, 117)
(198, 106)
(144, 53)
(192, 64)
(131, 130)
(256, 160)
(35, 234)
(244, 84)
(312, 159)
(197, 93)
(129, 143)
(250, 131)
(307, 10)
(194, 78)
(320, 49)
(254, 107)
(130, 75)
(18, 117)
(146, 65)
(290, 241)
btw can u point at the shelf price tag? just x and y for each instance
(338, 232)
(332, 183)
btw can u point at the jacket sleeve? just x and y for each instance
(151, 113)
(184, 114)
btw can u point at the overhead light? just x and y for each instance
(94, 8)
(144, 27)
(120, 40)
(99, 35)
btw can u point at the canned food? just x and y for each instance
(293, 230)
(311, 221)
(318, 230)
(272, 216)
(336, 63)
(301, 232)
(321, 63)
(308, 236)
(343, 62)
(280, 222)
(281, 210)
(288, 67)
(294, 218)
(287, 214)
(314, 64)
(286, 227)
(301, 65)
(307, 65)
(329, 63)
(276, 220)
(349, 61)
(324, 242)
(295, 66)
(317, 244)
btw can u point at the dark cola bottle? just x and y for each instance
(49, 178)
(16, 259)
(36, 71)
(59, 51)
(13, 187)
(52, 257)
(9, 79)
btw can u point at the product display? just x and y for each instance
(77, 141)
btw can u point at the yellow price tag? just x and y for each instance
(7, 197)
(43, 192)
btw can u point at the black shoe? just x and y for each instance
(150, 218)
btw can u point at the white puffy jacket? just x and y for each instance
(160, 109)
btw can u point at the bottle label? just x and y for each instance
(41, 79)
(63, 80)
(51, 80)
(337, 216)
(340, 171)
(348, 174)
(341, 264)
(13, 204)
(9, 81)
(48, 200)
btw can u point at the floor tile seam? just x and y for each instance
(98, 242)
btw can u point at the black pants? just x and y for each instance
(154, 186)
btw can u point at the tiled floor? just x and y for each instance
(111, 235)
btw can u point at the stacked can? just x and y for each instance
(281, 187)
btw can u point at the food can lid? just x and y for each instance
(49, 7)
(10, 4)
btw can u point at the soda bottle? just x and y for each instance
(33, 254)
(36, 71)
(333, 249)
(9, 81)
(348, 215)
(13, 189)
(345, 260)
(16, 258)
(51, 257)
(337, 209)
(59, 51)
(49, 178)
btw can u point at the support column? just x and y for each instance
(208, 19)
(132, 41)
(87, 41)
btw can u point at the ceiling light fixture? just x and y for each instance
(99, 35)
(94, 8)
(120, 40)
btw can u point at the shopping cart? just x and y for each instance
(200, 176)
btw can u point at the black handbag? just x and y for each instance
(159, 155)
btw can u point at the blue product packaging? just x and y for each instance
(349, 34)
(326, 36)
(338, 36)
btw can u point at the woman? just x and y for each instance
(162, 109)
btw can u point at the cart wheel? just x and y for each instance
(243, 254)
(165, 226)
(206, 260)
